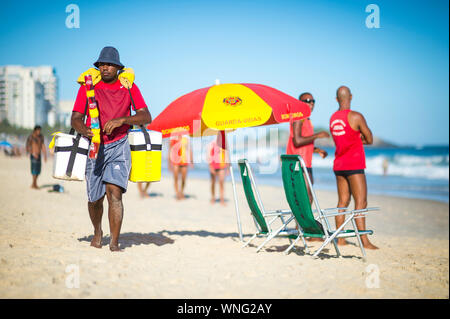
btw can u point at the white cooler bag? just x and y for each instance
(70, 157)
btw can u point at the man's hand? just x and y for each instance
(323, 134)
(78, 124)
(322, 152)
(87, 133)
(112, 124)
(363, 138)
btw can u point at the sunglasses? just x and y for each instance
(309, 101)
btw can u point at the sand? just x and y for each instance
(191, 249)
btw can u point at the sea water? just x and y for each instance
(412, 172)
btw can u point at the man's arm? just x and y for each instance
(79, 126)
(43, 149)
(28, 145)
(141, 117)
(299, 140)
(358, 122)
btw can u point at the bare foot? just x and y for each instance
(342, 242)
(115, 248)
(213, 200)
(34, 187)
(97, 240)
(369, 245)
(222, 202)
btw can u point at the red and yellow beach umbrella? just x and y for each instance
(227, 107)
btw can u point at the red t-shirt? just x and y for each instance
(305, 151)
(113, 101)
(349, 153)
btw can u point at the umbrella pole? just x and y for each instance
(236, 206)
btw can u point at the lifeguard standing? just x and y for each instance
(218, 162)
(180, 157)
(302, 137)
(350, 131)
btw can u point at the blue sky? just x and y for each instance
(398, 73)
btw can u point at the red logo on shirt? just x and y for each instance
(232, 100)
(337, 127)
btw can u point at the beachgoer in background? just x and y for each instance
(350, 131)
(180, 157)
(302, 137)
(34, 146)
(218, 162)
(385, 166)
(108, 173)
(143, 189)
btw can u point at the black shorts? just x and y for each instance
(310, 173)
(347, 173)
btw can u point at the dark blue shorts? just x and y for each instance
(35, 165)
(112, 166)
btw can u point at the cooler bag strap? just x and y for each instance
(73, 154)
(74, 148)
(81, 151)
(148, 143)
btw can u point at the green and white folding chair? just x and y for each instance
(263, 219)
(293, 171)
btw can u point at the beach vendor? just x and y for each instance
(180, 157)
(302, 137)
(108, 173)
(34, 146)
(350, 131)
(218, 163)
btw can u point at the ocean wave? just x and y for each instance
(428, 167)
(414, 166)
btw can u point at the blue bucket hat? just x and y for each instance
(109, 55)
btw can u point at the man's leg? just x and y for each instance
(141, 190)
(183, 170)
(343, 189)
(176, 172)
(213, 185)
(115, 214)
(221, 185)
(358, 187)
(310, 200)
(307, 185)
(34, 182)
(35, 171)
(96, 213)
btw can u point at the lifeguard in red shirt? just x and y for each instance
(218, 162)
(180, 157)
(302, 137)
(350, 131)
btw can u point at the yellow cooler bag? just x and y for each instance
(146, 149)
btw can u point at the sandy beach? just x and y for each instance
(191, 249)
